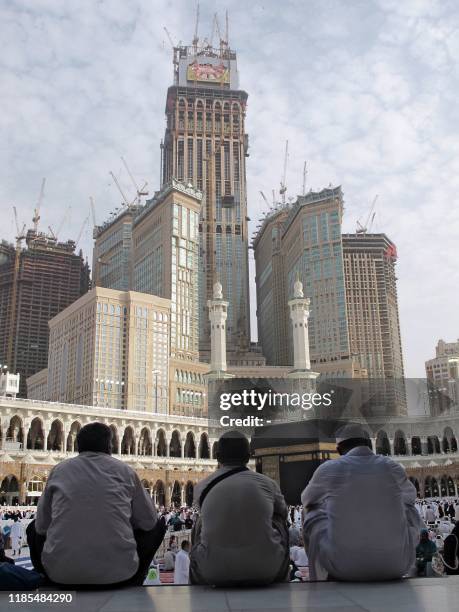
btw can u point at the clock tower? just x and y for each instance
(205, 144)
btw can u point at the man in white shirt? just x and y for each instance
(430, 515)
(361, 522)
(95, 523)
(182, 564)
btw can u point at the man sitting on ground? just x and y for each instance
(116, 545)
(361, 522)
(241, 535)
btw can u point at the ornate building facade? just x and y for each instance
(170, 453)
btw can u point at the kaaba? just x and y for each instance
(289, 453)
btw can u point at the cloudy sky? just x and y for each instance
(364, 90)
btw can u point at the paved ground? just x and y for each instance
(415, 595)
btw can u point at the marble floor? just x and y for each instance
(415, 595)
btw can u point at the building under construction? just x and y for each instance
(36, 283)
(205, 144)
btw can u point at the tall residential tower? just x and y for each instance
(373, 319)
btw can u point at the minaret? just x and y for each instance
(218, 311)
(299, 314)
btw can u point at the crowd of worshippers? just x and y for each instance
(359, 520)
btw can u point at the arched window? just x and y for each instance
(175, 447)
(190, 446)
(204, 451)
(382, 443)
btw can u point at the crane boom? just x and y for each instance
(363, 229)
(16, 219)
(130, 174)
(371, 210)
(80, 233)
(283, 186)
(305, 174)
(265, 199)
(140, 191)
(125, 200)
(196, 26)
(169, 37)
(36, 212)
(93, 210)
(64, 219)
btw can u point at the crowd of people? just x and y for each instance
(239, 531)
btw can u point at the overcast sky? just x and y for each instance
(365, 91)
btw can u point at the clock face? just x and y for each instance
(208, 73)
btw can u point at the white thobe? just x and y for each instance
(16, 535)
(182, 568)
(361, 521)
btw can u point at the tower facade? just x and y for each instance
(373, 318)
(205, 144)
(272, 316)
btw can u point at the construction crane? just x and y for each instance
(226, 41)
(169, 37)
(283, 186)
(364, 229)
(64, 219)
(53, 235)
(139, 190)
(217, 27)
(36, 212)
(214, 27)
(125, 200)
(196, 26)
(265, 199)
(21, 235)
(80, 233)
(305, 174)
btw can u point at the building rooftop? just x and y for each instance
(312, 197)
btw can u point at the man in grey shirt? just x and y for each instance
(95, 523)
(241, 535)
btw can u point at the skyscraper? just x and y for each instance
(304, 240)
(205, 144)
(373, 318)
(36, 284)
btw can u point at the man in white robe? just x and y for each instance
(182, 564)
(361, 522)
(16, 535)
